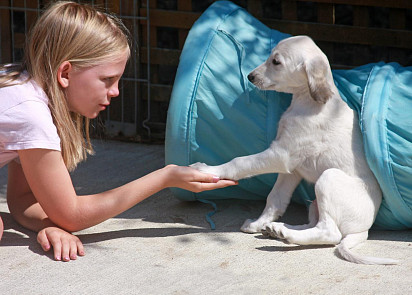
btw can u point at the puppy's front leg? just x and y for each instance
(271, 160)
(276, 203)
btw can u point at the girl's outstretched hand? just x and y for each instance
(66, 246)
(193, 180)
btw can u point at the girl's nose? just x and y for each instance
(114, 90)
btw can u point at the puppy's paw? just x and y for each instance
(274, 230)
(199, 166)
(252, 226)
(202, 167)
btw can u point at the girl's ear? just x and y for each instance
(63, 74)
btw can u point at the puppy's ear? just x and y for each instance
(317, 71)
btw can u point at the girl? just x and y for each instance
(74, 58)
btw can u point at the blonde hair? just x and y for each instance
(84, 36)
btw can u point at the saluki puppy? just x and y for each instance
(319, 140)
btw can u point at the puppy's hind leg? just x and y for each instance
(276, 203)
(267, 229)
(324, 216)
(326, 232)
(346, 212)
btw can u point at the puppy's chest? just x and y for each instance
(314, 147)
(311, 168)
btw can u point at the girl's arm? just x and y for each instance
(50, 183)
(22, 204)
(27, 211)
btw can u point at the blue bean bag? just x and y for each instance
(215, 114)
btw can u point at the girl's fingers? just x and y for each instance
(43, 240)
(80, 248)
(205, 186)
(66, 250)
(57, 250)
(223, 183)
(73, 250)
(205, 177)
(66, 246)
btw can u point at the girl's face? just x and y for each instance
(89, 90)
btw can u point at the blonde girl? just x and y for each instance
(74, 58)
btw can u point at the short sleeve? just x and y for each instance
(28, 125)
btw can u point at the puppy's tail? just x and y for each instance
(351, 241)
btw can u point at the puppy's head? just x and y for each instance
(295, 65)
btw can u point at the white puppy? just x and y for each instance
(319, 140)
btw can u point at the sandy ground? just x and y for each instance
(165, 246)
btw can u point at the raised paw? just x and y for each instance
(202, 167)
(199, 166)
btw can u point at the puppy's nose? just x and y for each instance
(251, 77)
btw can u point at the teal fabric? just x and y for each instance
(215, 114)
(381, 94)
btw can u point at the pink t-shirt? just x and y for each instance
(25, 121)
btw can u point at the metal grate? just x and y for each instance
(351, 33)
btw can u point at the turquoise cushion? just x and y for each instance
(381, 94)
(216, 114)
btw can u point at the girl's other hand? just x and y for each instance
(193, 180)
(66, 246)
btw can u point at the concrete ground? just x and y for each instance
(165, 246)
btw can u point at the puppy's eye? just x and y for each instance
(275, 62)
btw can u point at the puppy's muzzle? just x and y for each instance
(251, 77)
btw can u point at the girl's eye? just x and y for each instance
(275, 62)
(109, 80)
